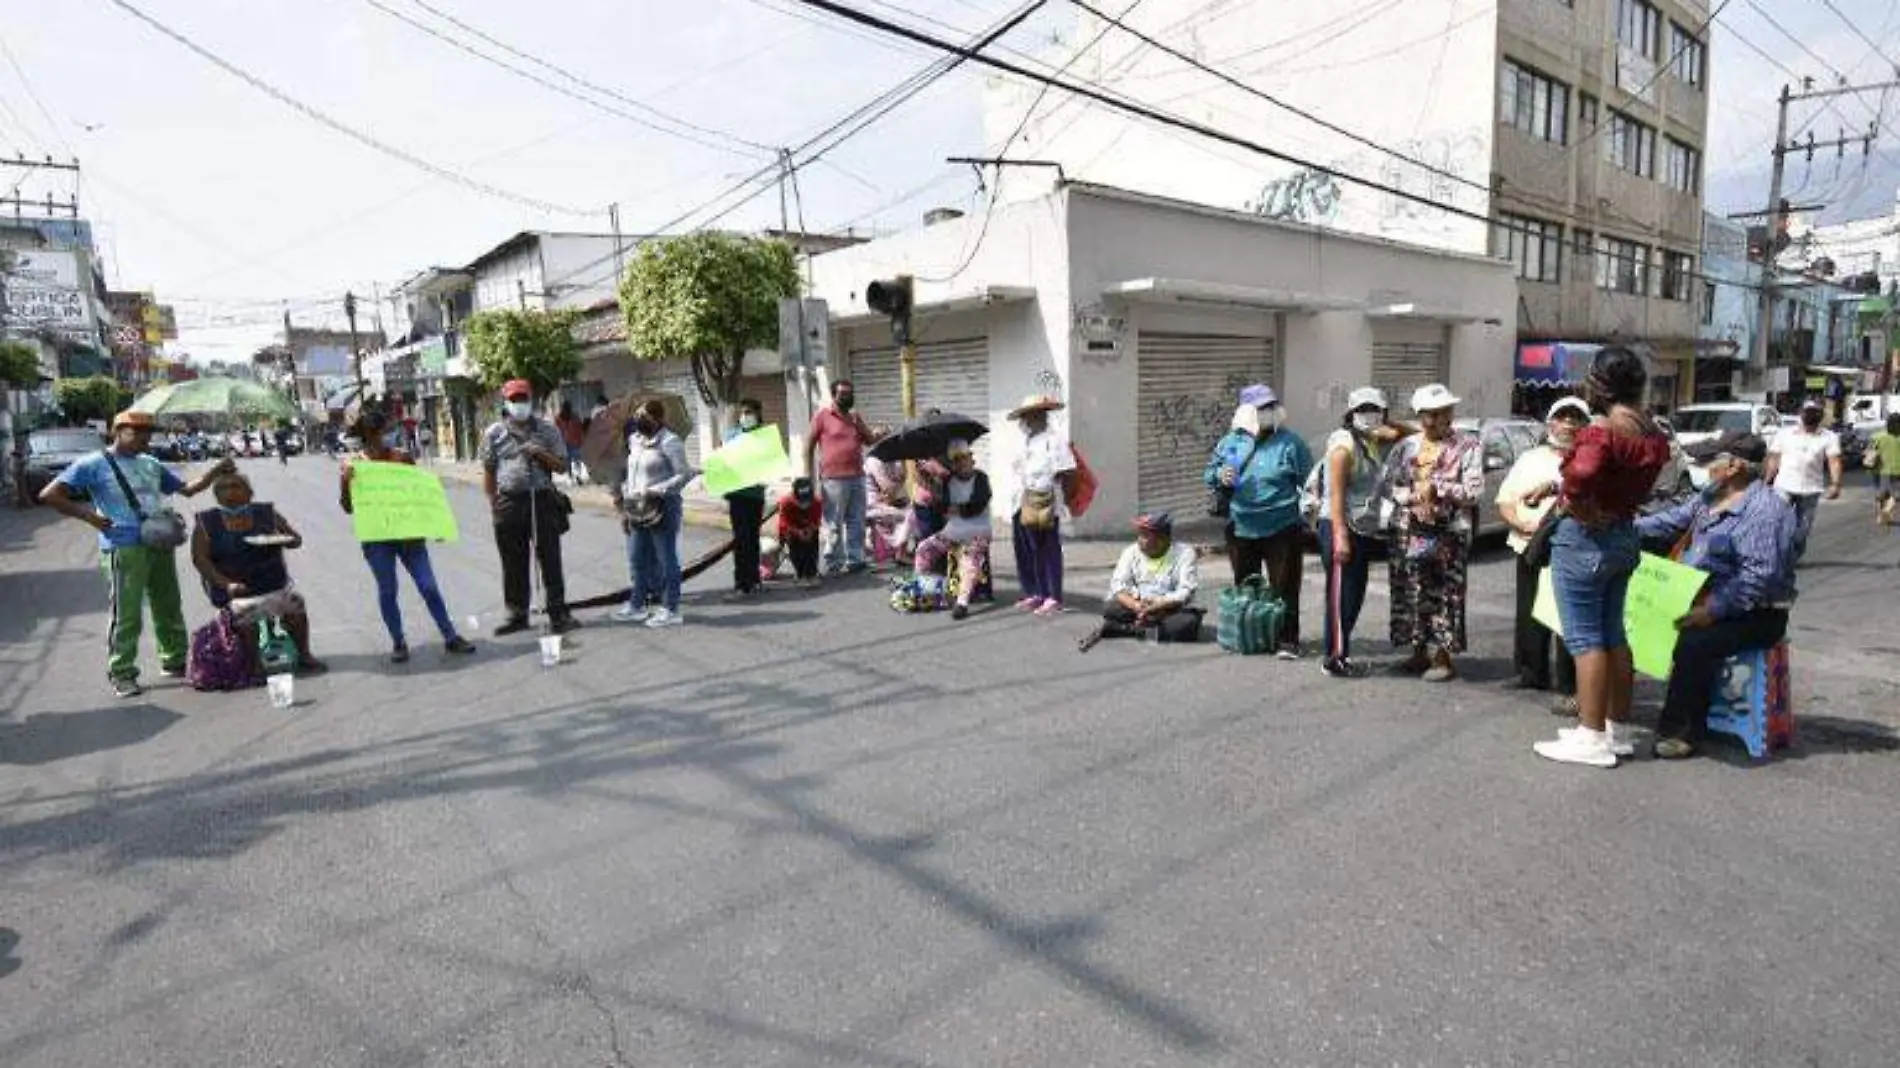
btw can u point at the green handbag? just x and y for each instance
(1250, 616)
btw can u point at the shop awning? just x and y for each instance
(1424, 313)
(969, 300)
(1193, 291)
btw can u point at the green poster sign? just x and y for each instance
(397, 502)
(1661, 592)
(751, 459)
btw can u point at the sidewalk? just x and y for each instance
(1086, 556)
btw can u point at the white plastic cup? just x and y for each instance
(550, 650)
(283, 690)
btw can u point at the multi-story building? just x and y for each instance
(1574, 127)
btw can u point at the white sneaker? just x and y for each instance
(627, 613)
(663, 618)
(1622, 742)
(1579, 746)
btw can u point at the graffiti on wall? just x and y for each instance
(1191, 422)
(1307, 196)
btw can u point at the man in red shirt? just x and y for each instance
(834, 451)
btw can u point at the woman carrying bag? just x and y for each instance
(651, 509)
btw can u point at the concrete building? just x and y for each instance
(1728, 309)
(1147, 315)
(1578, 124)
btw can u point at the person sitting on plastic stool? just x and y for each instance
(1744, 535)
(1152, 588)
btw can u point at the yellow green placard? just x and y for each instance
(398, 502)
(1661, 592)
(754, 458)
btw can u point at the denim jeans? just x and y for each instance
(844, 522)
(1805, 506)
(1345, 588)
(653, 554)
(1590, 575)
(383, 556)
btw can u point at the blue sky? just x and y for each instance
(226, 202)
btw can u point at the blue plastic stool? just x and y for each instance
(1753, 700)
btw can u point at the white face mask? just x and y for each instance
(748, 421)
(518, 409)
(1367, 422)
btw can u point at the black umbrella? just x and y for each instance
(927, 438)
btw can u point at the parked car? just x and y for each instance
(168, 447)
(48, 452)
(1698, 423)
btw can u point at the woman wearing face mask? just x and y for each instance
(745, 509)
(1610, 471)
(1260, 468)
(250, 578)
(1434, 478)
(651, 509)
(1538, 467)
(1348, 526)
(380, 440)
(967, 502)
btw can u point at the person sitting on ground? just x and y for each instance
(801, 517)
(967, 503)
(1744, 534)
(1153, 588)
(250, 579)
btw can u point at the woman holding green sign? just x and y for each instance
(1610, 471)
(379, 446)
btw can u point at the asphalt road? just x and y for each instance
(810, 831)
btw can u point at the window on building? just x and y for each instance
(1688, 55)
(1533, 246)
(1533, 103)
(1586, 111)
(1682, 166)
(1583, 244)
(1631, 145)
(1638, 27)
(1677, 268)
(1622, 266)
(1708, 304)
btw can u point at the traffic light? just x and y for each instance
(892, 297)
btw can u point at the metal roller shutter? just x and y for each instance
(1188, 386)
(1401, 367)
(953, 376)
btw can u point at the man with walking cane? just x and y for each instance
(519, 455)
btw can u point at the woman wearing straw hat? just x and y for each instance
(1044, 469)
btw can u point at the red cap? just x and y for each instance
(517, 387)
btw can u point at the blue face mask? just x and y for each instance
(239, 510)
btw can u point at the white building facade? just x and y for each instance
(1147, 315)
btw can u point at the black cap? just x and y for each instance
(1748, 447)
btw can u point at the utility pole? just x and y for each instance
(620, 255)
(1777, 210)
(356, 350)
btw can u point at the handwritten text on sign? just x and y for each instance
(1661, 592)
(398, 502)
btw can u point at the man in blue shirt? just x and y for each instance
(1743, 534)
(1261, 467)
(136, 573)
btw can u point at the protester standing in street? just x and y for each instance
(1536, 468)
(573, 433)
(127, 487)
(1609, 472)
(1348, 526)
(1045, 473)
(745, 509)
(1262, 473)
(1434, 479)
(1883, 459)
(520, 454)
(380, 445)
(651, 510)
(1804, 462)
(834, 452)
(1742, 534)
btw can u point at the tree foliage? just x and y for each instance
(80, 399)
(707, 297)
(19, 364)
(507, 343)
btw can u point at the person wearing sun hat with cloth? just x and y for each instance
(1044, 470)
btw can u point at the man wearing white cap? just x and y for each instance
(1804, 462)
(1539, 467)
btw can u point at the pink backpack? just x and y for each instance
(220, 659)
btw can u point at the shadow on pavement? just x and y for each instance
(34, 596)
(48, 736)
(9, 941)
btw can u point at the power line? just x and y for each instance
(603, 90)
(341, 127)
(1858, 32)
(1275, 101)
(1817, 57)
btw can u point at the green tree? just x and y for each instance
(707, 298)
(19, 364)
(81, 399)
(539, 346)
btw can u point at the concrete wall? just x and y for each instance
(582, 261)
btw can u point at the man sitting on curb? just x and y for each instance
(1743, 534)
(1152, 588)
